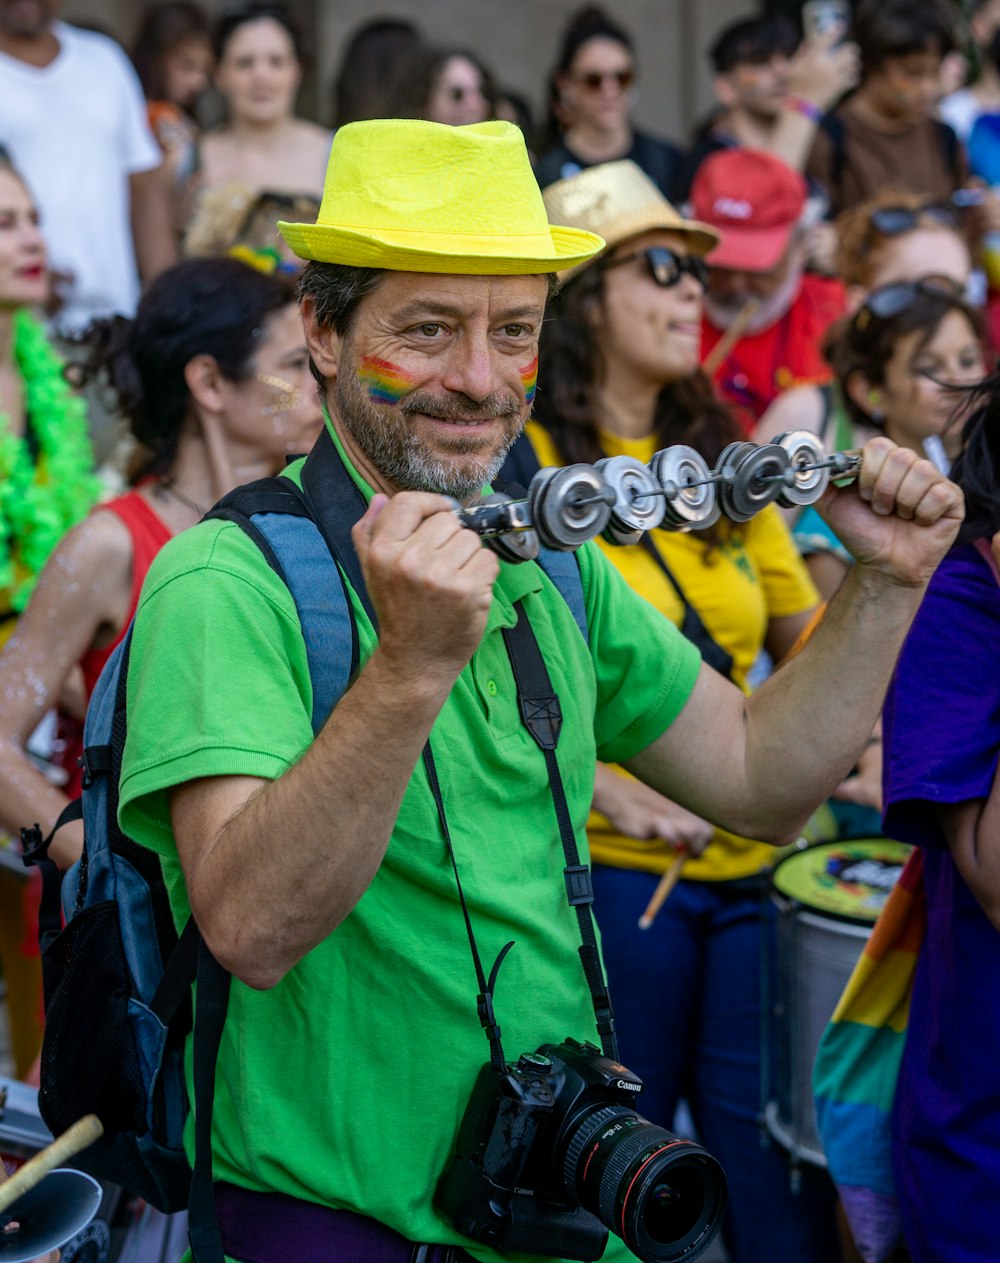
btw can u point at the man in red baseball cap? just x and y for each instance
(765, 316)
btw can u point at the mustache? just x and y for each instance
(459, 407)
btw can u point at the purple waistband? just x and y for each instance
(275, 1228)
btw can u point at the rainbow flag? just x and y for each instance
(857, 1065)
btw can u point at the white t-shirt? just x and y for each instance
(76, 130)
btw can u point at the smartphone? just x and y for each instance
(821, 18)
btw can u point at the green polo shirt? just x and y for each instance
(345, 1083)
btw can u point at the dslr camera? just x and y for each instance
(550, 1155)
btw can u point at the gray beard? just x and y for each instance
(769, 311)
(395, 450)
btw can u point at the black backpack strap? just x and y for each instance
(35, 851)
(180, 970)
(211, 1003)
(542, 716)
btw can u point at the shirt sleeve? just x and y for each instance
(942, 712)
(645, 669)
(787, 586)
(210, 611)
(139, 148)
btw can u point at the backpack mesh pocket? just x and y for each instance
(90, 1064)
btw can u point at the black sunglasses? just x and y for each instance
(889, 301)
(593, 80)
(666, 267)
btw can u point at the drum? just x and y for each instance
(22, 1134)
(124, 1228)
(827, 898)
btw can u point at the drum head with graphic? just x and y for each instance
(847, 880)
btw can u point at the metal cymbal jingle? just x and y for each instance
(691, 500)
(639, 502)
(752, 481)
(808, 475)
(569, 506)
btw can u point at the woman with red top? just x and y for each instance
(213, 376)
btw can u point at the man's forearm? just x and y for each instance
(759, 766)
(153, 231)
(296, 856)
(807, 725)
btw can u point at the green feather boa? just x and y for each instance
(40, 501)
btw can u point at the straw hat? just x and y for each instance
(414, 196)
(618, 200)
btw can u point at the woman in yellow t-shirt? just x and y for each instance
(620, 374)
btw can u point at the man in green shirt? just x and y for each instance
(316, 866)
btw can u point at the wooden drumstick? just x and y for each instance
(666, 884)
(82, 1134)
(714, 359)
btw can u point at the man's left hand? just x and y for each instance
(900, 517)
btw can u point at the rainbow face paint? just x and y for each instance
(384, 382)
(529, 380)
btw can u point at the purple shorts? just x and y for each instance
(275, 1228)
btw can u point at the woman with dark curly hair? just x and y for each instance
(620, 375)
(942, 790)
(214, 379)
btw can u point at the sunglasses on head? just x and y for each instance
(666, 267)
(593, 80)
(890, 221)
(889, 301)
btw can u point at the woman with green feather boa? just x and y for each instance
(46, 486)
(46, 463)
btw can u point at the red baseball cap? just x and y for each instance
(754, 200)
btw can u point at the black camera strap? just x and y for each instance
(484, 1005)
(541, 714)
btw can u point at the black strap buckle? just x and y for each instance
(95, 761)
(34, 845)
(579, 887)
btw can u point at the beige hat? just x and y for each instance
(617, 200)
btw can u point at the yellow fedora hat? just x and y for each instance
(618, 200)
(414, 196)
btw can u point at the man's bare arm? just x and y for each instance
(760, 766)
(152, 222)
(273, 867)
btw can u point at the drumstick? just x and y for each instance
(666, 884)
(714, 359)
(82, 1134)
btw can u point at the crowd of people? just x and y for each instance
(188, 306)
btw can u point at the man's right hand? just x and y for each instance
(823, 70)
(430, 580)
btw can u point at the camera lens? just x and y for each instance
(662, 1195)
